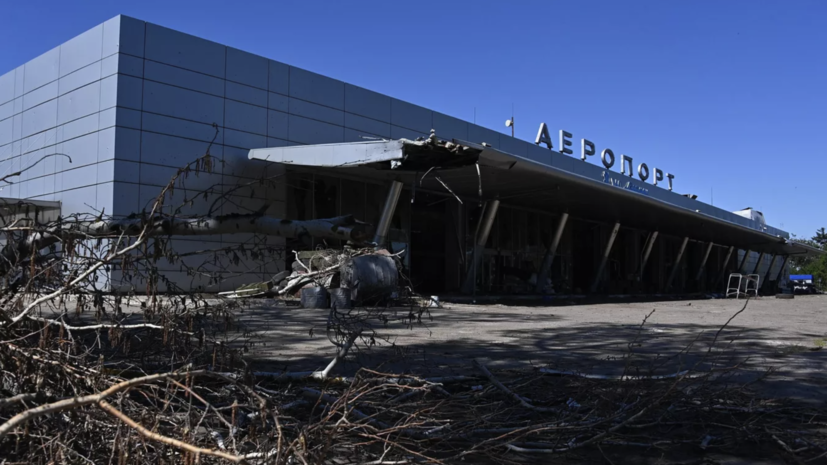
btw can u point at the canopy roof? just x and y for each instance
(565, 184)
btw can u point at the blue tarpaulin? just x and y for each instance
(801, 277)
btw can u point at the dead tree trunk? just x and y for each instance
(341, 228)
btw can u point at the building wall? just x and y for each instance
(64, 102)
(130, 102)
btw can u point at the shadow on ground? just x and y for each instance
(787, 360)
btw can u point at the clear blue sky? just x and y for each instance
(728, 95)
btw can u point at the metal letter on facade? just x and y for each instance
(671, 177)
(646, 251)
(565, 142)
(542, 276)
(384, 225)
(624, 161)
(487, 222)
(586, 149)
(658, 175)
(608, 158)
(543, 136)
(677, 264)
(599, 276)
(643, 171)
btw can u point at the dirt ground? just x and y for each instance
(778, 341)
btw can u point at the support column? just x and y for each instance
(726, 263)
(548, 260)
(646, 252)
(484, 230)
(743, 261)
(758, 263)
(677, 264)
(599, 276)
(769, 270)
(703, 262)
(783, 264)
(381, 236)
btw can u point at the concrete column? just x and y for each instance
(648, 250)
(384, 225)
(743, 261)
(703, 262)
(599, 276)
(483, 232)
(758, 263)
(769, 270)
(677, 264)
(548, 260)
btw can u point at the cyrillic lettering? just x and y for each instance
(565, 143)
(626, 160)
(543, 137)
(608, 158)
(586, 149)
(658, 175)
(641, 169)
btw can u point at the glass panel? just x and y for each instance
(353, 199)
(326, 204)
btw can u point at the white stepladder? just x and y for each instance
(745, 284)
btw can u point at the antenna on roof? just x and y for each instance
(509, 123)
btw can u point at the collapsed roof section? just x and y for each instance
(478, 172)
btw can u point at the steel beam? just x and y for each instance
(677, 264)
(599, 276)
(758, 263)
(783, 264)
(769, 270)
(646, 251)
(724, 266)
(548, 260)
(483, 232)
(382, 229)
(703, 262)
(743, 260)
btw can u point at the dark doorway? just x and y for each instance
(428, 223)
(583, 255)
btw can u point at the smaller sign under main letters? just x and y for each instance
(587, 149)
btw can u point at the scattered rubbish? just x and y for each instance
(370, 277)
(248, 290)
(314, 297)
(340, 298)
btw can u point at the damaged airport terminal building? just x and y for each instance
(474, 210)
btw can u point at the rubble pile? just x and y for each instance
(369, 275)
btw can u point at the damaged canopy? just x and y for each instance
(554, 183)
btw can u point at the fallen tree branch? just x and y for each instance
(683, 373)
(75, 402)
(340, 355)
(511, 393)
(18, 398)
(164, 439)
